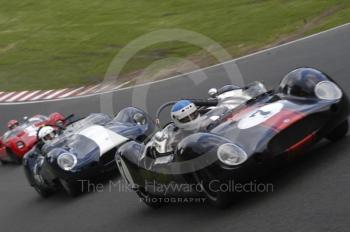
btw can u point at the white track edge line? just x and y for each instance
(194, 71)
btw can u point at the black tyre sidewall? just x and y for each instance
(70, 187)
(43, 192)
(13, 156)
(221, 200)
(339, 132)
(150, 200)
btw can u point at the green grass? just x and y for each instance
(47, 44)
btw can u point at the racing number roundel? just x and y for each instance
(260, 115)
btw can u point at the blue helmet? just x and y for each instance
(185, 115)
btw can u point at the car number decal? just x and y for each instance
(259, 115)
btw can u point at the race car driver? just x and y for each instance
(186, 120)
(185, 115)
(45, 135)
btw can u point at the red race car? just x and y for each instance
(21, 137)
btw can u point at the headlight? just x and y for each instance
(327, 90)
(67, 161)
(231, 154)
(20, 144)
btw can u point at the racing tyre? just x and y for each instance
(211, 190)
(13, 156)
(43, 192)
(150, 200)
(339, 132)
(72, 188)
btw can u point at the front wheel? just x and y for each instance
(339, 132)
(43, 192)
(212, 189)
(149, 199)
(71, 187)
(40, 186)
(14, 158)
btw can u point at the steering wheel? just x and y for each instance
(160, 109)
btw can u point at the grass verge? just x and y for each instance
(68, 43)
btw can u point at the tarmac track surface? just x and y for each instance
(310, 195)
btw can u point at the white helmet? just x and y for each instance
(185, 115)
(47, 133)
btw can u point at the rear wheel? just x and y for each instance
(149, 199)
(13, 156)
(339, 132)
(71, 187)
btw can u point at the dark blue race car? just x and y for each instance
(240, 131)
(82, 151)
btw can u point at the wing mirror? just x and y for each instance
(139, 119)
(212, 92)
